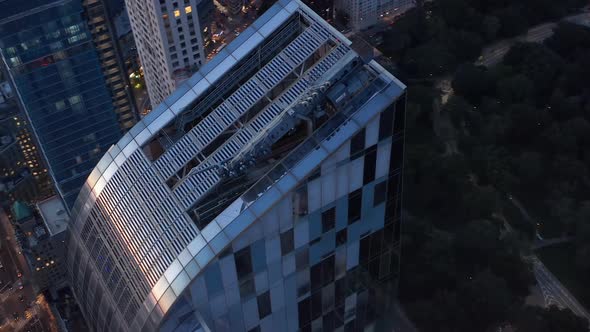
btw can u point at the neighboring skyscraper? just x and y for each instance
(52, 61)
(22, 174)
(111, 61)
(362, 14)
(263, 194)
(169, 35)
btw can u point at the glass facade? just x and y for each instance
(261, 195)
(55, 68)
(23, 176)
(325, 258)
(105, 42)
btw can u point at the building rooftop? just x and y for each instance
(225, 146)
(54, 215)
(21, 211)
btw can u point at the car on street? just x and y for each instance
(18, 274)
(21, 298)
(15, 315)
(19, 285)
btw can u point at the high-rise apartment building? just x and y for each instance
(170, 36)
(111, 61)
(65, 83)
(264, 194)
(362, 14)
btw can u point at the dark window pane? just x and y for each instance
(339, 292)
(388, 238)
(350, 326)
(397, 154)
(339, 316)
(376, 243)
(304, 308)
(316, 305)
(287, 242)
(385, 265)
(328, 321)
(328, 219)
(315, 241)
(370, 163)
(400, 115)
(365, 249)
(357, 144)
(243, 263)
(374, 269)
(341, 237)
(264, 307)
(379, 193)
(386, 123)
(328, 270)
(355, 199)
(315, 174)
(315, 275)
(302, 259)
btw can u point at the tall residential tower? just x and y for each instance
(263, 194)
(362, 14)
(68, 82)
(170, 36)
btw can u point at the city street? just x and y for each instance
(20, 309)
(494, 53)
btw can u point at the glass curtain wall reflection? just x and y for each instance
(54, 66)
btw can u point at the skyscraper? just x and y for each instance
(170, 38)
(362, 14)
(23, 175)
(105, 41)
(263, 194)
(61, 82)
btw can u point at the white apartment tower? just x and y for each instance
(365, 13)
(169, 35)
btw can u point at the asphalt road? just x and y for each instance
(494, 53)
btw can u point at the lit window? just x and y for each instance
(176, 13)
(60, 105)
(15, 61)
(188, 9)
(74, 99)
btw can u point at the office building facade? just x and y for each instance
(170, 36)
(111, 60)
(362, 14)
(56, 70)
(264, 194)
(23, 175)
